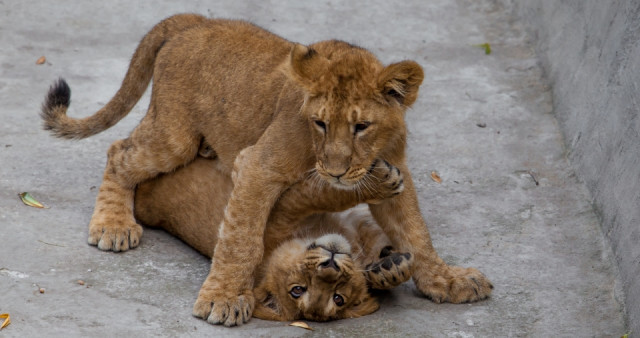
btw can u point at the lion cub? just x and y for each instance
(329, 110)
(319, 269)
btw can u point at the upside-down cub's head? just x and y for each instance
(315, 280)
(355, 106)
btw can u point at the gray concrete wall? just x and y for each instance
(591, 54)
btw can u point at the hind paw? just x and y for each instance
(393, 269)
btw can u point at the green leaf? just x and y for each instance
(486, 46)
(27, 199)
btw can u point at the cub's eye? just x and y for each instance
(338, 299)
(297, 291)
(361, 126)
(320, 124)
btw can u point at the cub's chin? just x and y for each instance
(339, 184)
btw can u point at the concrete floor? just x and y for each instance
(484, 122)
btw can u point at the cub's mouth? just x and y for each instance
(333, 244)
(348, 179)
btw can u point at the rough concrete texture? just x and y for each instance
(591, 52)
(484, 122)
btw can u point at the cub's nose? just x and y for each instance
(329, 271)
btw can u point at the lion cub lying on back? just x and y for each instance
(320, 269)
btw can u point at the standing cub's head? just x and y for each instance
(315, 280)
(355, 106)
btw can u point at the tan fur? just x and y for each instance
(187, 202)
(330, 109)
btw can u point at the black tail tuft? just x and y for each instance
(59, 96)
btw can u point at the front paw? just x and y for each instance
(388, 180)
(454, 285)
(223, 308)
(393, 269)
(114, 235)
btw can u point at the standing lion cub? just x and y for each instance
(330, 109)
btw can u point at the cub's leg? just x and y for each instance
(384, 267)
(402, 221)
(145, 154)
(312, 196)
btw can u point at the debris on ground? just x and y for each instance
(27, 199)
(301, 325)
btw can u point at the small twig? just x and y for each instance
(533, 176)
(62, 246)
(530, 173)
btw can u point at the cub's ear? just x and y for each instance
(367, 305)
(400, 81)
(268, 307)
(306, 67)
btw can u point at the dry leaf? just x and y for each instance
(301, 325)
(41, 60)
(30, 201)
(436, 177)
(7, 320)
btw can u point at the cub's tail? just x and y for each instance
(136, 81)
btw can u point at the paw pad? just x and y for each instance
(391, 270)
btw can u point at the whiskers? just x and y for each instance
(365, 188)
(368, 183)
(356, 256)
(316, 181)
